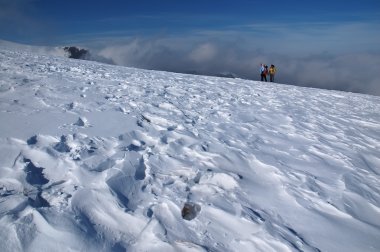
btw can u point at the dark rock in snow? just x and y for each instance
(77, 53)
(190, 210)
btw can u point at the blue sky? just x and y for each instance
(213, 36)
(57, 21)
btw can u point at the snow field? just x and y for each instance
(103, 158)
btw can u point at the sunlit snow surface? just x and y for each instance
(103, 158)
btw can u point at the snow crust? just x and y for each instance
(96, 157)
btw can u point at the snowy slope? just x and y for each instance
(96, 157)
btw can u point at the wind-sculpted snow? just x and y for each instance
(104, 158)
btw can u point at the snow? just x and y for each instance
(96, 157)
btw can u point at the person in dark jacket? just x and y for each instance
(263, 72)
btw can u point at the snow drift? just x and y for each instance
(96, 157)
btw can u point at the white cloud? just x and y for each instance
(323, 55)
(203, 53)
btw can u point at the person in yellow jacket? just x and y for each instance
(272, 72)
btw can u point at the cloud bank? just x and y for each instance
(348, 71)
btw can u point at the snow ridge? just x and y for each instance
(106, 158)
